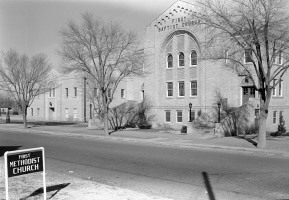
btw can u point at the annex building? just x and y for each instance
(176, 78)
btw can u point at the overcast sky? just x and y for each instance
(32, 26)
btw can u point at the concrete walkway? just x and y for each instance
(199, 139)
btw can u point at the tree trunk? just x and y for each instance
(262, 125)
(25, 117)
(105, 114)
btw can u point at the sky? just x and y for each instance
(33, 26)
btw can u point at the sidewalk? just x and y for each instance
(275, 146)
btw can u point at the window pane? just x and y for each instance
(168, 116)
(181, 89)
(194, 58)
(170, 61)
(194, 88)
(170, 89)
(181, 59)
(179, 116)
(245, 91)
(248, 55)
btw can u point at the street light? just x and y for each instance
(190, 106)
(219, 107)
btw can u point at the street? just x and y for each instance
(177, 173)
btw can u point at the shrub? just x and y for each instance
(281, 126)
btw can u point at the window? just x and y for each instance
(274, 117)
(194, 60)
(66, 92)
(252, 91)
(280, 88)
(95, 91)
(248, 55)
(226, 56)
(170, 61)
(181, 59)
(280, 57)
(122, 93)
(75, 113)
(274, 87)
(168, 116)
(170, 89)
(109, 92)
(193, 113)
(179, 116)
(31, 111)
(194, 88)
(38, 111)
(245, 91)
(50, 91)
(66, 113)
(53, 92)
(181, 89)
(280, 115)
(75, 91)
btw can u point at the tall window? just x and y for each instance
(280, 115)
(95, 92)
(66, 113)
(75, 113)
(280, 88)
(274, 117)
(245, 91)
(122, 93)
(179, 116)
(280, 57)
(194, 88)
(168, 116)
(109, 92)
(75, 91)
(66, 92)
(248, 55)
(31, 111)
(181, 88)
(38, 111)
(226, 56)
(53, 92)
(170, 61)
(170, 89)
(274, 87)
(194, 60)
(181, 59)
(50, 92)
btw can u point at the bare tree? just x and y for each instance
(251, 38)
(105, 53)
(24, 78)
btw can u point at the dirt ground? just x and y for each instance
(64, 186)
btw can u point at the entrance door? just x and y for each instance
(51, 114)
(248, 92)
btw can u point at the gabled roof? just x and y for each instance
(173, 11)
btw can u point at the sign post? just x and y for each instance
(22, 162)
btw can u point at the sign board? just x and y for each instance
(22, 162)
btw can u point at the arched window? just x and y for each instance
(194, 57)
(170, 61)
(181, 59)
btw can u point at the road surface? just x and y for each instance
(177, 173)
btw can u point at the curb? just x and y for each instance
(148, 141)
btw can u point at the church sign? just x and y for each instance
(22, 162)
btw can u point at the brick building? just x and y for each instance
(176, 78)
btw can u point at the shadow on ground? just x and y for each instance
(208, 186)
(54, 188)
(3, 149)
(250, 140)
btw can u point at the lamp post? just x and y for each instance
(219, 107)
(190, 106)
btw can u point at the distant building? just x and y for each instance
(176, 77)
